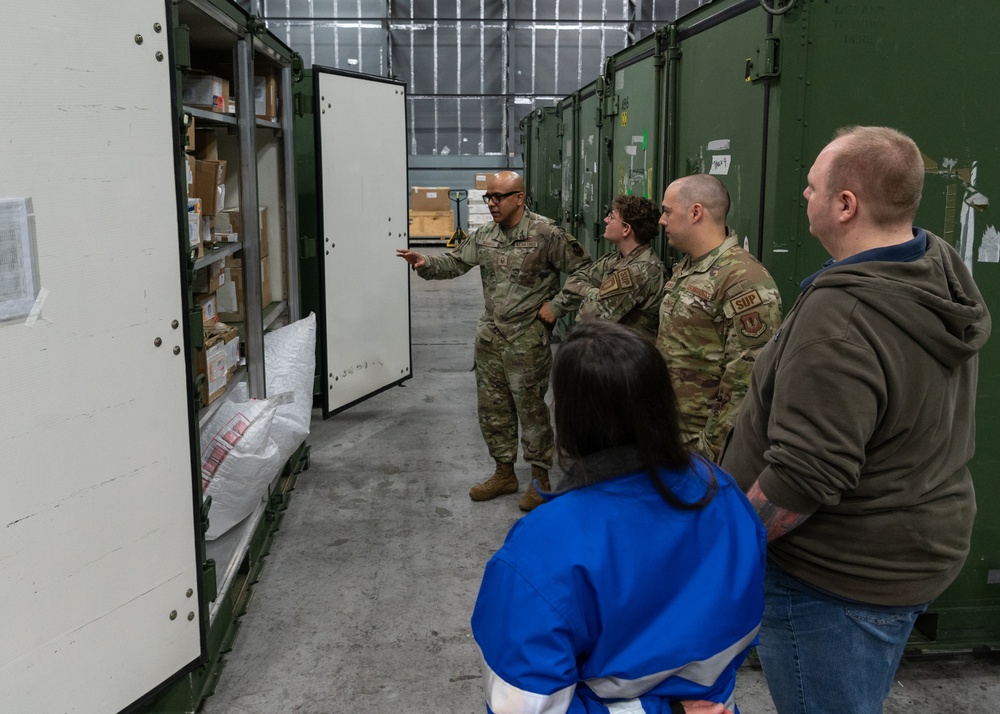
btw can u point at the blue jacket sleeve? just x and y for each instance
(529, 659)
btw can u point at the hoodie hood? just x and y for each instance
(933, 299)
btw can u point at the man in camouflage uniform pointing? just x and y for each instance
(626, 284)
(520, 256)
(720, 307)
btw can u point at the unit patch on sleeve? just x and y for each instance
(624, 278)
(742, 303)
(609, 285)
(753, 326)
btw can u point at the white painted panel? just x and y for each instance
(364, 193)
(97, 526)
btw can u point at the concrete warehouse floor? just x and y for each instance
(364, 604)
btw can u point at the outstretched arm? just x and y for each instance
(412, 257)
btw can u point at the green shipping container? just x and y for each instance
(751, 92)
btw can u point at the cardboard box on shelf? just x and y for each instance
(206, 145)
(265, 281)
(212, 362)
(209, 309)
(227, 221)
(224, 237)
(265, 93)
(222, 227)
(231, 339)
(431, 224)
(189, 140)
(478, 212)
(230, 293)
(231, 220)
(189, 167)
(194, 227)
(480, 181)
(429, 199)
(210, 278)
(206, 91)
(210, 185)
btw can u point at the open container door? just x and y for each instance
(99, 576)
(362, 178)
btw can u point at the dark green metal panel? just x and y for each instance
(836, 64)
(942, 95)
(754, 97)
(543, 160)
(569, 167)
(719, 115)
(304, 135)
(592, 202)
(634, 126)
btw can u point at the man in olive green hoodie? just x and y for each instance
(853, 440)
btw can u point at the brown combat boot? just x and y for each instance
(531, 499)
(502, 482)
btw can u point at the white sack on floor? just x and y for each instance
(238, 458)
(290, 366)
(247, 441)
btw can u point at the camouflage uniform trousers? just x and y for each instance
(512, 378)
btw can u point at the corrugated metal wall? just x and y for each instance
(473, 68)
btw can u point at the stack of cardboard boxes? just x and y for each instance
(211, 92)
(232, 307)
(206, 184)
(430, 213)
(479, 212)
(218, 287)
(218, 360)
(219, 356)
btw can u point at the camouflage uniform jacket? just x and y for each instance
(717, 314)
(617, 288)
(520, 268)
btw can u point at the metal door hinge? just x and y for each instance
(307, 247)
(767, 61)
(182, 47)
(197, 328)
(301, 104)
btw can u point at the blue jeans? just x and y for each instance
(822, 655)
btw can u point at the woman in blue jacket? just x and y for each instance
(639, 584)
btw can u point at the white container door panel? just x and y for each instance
(98, 560)
(361, 128)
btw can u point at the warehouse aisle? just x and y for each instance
(364, 604)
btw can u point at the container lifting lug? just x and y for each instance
(298, 64)
(257, 26)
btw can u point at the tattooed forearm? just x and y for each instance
(776, 520)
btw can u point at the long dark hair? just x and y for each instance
(612, 389)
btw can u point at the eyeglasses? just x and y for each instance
(611, 217)
(497, 197)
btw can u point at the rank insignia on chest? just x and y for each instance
(742, 303)
(502, 260)
(753, 326)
